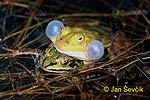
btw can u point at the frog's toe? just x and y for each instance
(95, 50)
(53, 28)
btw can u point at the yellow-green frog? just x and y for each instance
(83, 43)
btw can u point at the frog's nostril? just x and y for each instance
(61, 38)
(95, 50)
(67, 42)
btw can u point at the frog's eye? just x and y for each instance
(95, 50)
(53, 28)
(80, 38)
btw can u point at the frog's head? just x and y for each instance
(77, 42)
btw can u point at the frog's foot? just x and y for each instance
(53, 29)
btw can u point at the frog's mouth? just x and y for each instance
(80, 55)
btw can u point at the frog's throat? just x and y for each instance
(79, 55)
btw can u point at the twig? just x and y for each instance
(131, 63)
(13, 53)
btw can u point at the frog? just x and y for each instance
(54, 61)
(73, 44)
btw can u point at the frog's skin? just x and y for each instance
(74, 40)
(54, 61)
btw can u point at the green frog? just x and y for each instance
(54, 61)
(72, 46)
